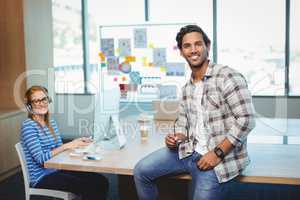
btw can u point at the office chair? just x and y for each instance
(38, 191)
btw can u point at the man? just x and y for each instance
(215, 117)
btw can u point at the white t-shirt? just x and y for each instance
(200, 132)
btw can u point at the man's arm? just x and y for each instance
(239, 100)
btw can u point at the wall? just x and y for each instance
(12, 53)
(39, 43)
(10, 133)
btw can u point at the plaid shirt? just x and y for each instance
(229, 113)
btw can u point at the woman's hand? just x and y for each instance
(79, 142)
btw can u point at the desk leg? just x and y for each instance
(169, 188)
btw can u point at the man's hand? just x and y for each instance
(171, 139)
(208, 161)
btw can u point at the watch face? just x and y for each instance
(219, 152)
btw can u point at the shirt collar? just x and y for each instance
(208, 72)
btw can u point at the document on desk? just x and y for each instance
(90, 149)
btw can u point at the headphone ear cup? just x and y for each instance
(49, 99)
(28, 107)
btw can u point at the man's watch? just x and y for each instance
(219, 152)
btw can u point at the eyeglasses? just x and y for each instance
(39, 101)
(178, 142)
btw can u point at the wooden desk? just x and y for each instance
(270, 163)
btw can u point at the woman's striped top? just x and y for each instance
(38, 142)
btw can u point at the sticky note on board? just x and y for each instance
(163, 69)
(101, 56)
(129, 59)
(151, 45)
(145, 61)
(117, 51)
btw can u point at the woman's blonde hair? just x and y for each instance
(28, 102)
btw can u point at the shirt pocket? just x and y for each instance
(212, 100)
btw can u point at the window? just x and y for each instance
(188, 11)
(294, 48)
(101, 13)
(68, 52)
(251, 38)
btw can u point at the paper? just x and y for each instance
(140, 38)
(159, 56)
(125, 67)
(124, 47)
(185, 149)
(113, 64)
(135, 77)
(107, 46)
(175, 69)
(168, 92)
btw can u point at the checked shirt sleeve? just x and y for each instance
(239, 100)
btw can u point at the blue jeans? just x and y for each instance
(166, 162)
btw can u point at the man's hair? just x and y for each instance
(188, 29)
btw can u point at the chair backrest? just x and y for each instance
(23, 163)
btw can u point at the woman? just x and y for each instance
(41, 140)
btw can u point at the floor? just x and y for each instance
(13, 189)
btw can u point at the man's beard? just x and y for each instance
(197, 66)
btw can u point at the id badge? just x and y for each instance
(185, 149)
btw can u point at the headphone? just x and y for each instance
(28, 105)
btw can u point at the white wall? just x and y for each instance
(39, 43)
